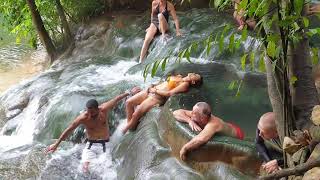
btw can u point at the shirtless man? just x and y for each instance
(95, 120)
(157, 95)
(200, 119)
(159, 23)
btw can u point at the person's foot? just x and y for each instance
(240, 27)
(165, 37)
(85, 168)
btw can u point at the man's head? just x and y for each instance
(201, 112)
(267, 126)
(92, 107)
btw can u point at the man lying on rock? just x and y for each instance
(142, 102)
(200, 119)
(95, 121)
(268, 143)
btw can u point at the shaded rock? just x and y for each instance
(289, 146)
(315, 153)
(315, 115)
(312, 174)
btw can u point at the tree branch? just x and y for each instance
(298, 170)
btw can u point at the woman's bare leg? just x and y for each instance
(151, 32)
(134, 101)
(143, 108)
(163, 24)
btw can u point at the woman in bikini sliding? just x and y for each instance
(142, 102)
(159, 23)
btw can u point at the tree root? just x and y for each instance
(298, 170)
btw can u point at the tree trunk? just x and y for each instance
(304, 92)
(42, 32)
(65, 25)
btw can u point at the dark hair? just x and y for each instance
(198, 83)
(205, 108)
(92, 103)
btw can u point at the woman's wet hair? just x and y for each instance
(198, 83)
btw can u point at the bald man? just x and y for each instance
(268, 143)
(200, 119)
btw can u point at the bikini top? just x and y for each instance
(165, 12)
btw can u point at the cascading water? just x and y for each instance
(102, 65)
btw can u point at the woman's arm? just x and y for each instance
(182, 87)
(175, 18)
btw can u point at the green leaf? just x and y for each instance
(244, 33)
(232, 85)
(221, 43)
(145, 71)
(293, 80)
(262, 67)
(239, 87)
(238, 43)
(252, 60)
(155, 68)
(208, 46)
(315, 55)
(231, 43)
(298, 5)
(271, 49)
(243, 4)
(164, 62)
(243, 61)
(306, 22)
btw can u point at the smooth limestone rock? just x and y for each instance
(27, 165)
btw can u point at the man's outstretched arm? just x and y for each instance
(113, 102)
(66, 133)
(200, 139)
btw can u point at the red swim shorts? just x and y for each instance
(240, 134)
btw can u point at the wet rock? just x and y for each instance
(142, 154)
(222, 171)
(24, 166)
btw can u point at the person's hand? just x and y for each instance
(194, 126)
(135, 90)
(51, 148)
(147, 29)
(152, 90)
(314, 9)
(271, 166)
(178, 33)
(183, 153)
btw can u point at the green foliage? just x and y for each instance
(17, 18)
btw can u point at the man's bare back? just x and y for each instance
(200, 119)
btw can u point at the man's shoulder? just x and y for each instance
(83, 116)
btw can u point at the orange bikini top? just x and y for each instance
(172, 83)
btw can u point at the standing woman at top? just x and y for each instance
(159, 23)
